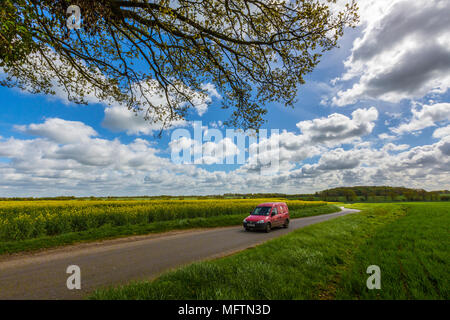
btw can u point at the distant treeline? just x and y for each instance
(161, 197)
(381, 194)
(348, 194)
(359, 193)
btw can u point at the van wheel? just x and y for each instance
(268, 228)
(286, 224)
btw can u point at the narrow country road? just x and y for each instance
(43, 275)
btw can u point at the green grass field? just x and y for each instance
(413, 253)
(45, 224)
(409, 242)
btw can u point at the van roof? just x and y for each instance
(270, 204)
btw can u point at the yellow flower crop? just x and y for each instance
(31, 219)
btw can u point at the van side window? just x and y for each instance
(274, 210)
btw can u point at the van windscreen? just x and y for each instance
(261, 211)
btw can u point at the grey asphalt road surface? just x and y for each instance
(43, 275)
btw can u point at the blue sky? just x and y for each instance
(376, 111)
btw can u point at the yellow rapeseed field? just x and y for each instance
(30, 219)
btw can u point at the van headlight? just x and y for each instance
(260, 221)
(244, 220)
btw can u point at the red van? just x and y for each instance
(267, 216)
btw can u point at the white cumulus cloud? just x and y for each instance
(338, 129)
(59, 130)
(427, 116)
(404, 53)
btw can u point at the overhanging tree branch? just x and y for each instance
(129, 52)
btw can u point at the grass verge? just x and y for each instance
(322, 261)
(110, 232)
(412, 253)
